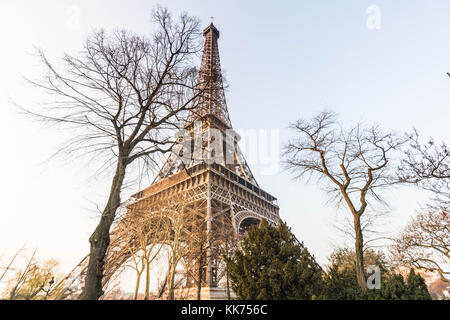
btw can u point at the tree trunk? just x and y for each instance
(228, 284)
(147, 282)
(136, 288)
(171, 273)
(200, 273)
(359, 253)
(171, 284)
(199, 284)
(100, 239)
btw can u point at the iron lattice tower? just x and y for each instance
(212, 101)
(222, 198)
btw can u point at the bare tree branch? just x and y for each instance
(122, 96)
(353, 165)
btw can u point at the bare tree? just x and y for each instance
(121, 96)
(225, 244)
(182, 233)
(425, 244)
(177, 245)
(9, 266)
(138, 264)
(143, 235)
(353, 165)
(428, 166)
(154, 244)
(197, 256)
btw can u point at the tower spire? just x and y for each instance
(211, 100)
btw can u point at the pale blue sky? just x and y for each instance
(283, 59)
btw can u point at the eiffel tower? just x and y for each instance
(213, 182)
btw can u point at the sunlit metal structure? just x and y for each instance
(215, 186)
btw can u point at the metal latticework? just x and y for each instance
(212, 99)
(214, 203)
